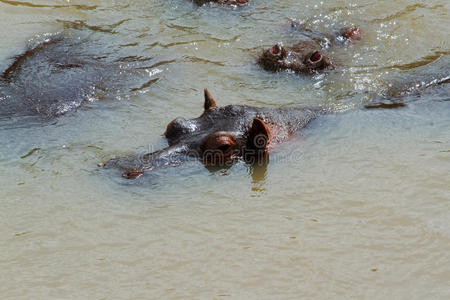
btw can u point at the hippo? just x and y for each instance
(222, 135)
(408, 85)
(60, 74)
(307, 55)
(46, 80)
(223, 2)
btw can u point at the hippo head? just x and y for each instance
(217, 138)
(301, 58)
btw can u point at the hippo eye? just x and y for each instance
(316, 60)
(218, 147)
(224, 148)
(277, 50)
(315, 57)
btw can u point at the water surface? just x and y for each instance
(355, 206)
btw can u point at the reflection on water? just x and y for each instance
(258, 172)
(354, 206)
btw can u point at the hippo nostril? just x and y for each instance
(315, 57)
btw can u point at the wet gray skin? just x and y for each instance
(429, 77)
(58, 75)
(309, 54)
(221, 135)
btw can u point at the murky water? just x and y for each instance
(356, 206)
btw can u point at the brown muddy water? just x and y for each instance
(357, 205)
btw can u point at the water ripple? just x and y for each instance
(28, 4)
(83, 25)
(407, 10)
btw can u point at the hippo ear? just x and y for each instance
(258, 135)
(209, 101)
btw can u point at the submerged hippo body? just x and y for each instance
(307, 55)
(410, 84)
(58, 75)
(48, 80)
(223, 2)
(221, 135)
